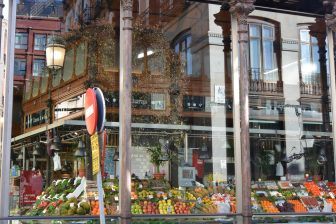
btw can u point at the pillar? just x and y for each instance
(125, 107)
(331, 28)
(240, 9)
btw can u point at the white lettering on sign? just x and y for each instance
(89, 111)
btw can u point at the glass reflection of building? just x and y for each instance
(183, 83)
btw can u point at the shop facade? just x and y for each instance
(213, 109)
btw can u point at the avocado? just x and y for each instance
(81, 211)
(85, 205)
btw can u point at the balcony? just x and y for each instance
(269, 86)
(311, 88)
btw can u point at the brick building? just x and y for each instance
(30, 42)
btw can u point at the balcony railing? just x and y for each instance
(311, 88)
(262, 86)
(270, 85)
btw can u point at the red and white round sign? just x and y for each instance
(91, 111)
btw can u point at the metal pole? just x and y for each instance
(125, 108)
(5, 160)
(240, 9)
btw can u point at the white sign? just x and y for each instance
(219, 94)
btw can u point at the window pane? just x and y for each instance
(38, 67)
(255, 58)
(81, 59)
(306, 67)
(68, 65)
(40, 42)
(304, 35)
(189, 62)
(269, 61)
(21, 40)
(20, 67)
(267, 32)
(254, 30)
(316, 58)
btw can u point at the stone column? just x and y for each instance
(125, 108)
(240, 10)
(318, 30)
(331, 28)
(223, 19)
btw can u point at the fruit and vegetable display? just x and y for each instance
(171, 201)
(62, 197)
(79, 196)
(301, 197)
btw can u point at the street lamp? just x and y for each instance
(55, 53)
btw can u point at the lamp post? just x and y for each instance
(55, 54)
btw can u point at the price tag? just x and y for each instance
(332, 195)
(199, 200)
(72, 205)
(179, 197)
(96, 198)
(165, 198)
(150, 196)
(140, 186)
(116, 198)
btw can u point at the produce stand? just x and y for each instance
(275, 200)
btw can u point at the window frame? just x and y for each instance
(20, 71)
(40, 73)
(45, 41)
(180, 40)
(19, 44)
(311, 56)
(276, 55)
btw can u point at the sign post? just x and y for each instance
(94, 119)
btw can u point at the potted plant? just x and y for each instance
(157, 158)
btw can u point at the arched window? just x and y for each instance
(182, 46)
(263, 55)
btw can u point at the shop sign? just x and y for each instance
(70, 106)
(91, 111)
(36, 118)
(194, 103)
(149, 101)
(30, 186)
(95, 153)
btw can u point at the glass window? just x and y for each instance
(80, 59)
(40, 42)
(309, 58)
(183, 47)
(262, 55)
(38, 67)
(20, 67)
(21, 40)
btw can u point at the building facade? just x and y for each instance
(31, 38)
(230, 101)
